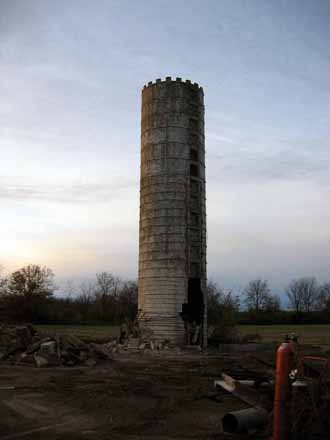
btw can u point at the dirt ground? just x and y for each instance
(136, 396)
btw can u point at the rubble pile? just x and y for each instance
(134, 337)
(23, 345)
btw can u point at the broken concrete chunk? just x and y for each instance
(36, 345)
(14, 339)
(90, 362)
(100, 351)
(40, 361)
(69, 341)
(133, 343)
(27, 358)
(48, 348)
(24, 336)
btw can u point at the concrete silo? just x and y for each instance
(172, 247)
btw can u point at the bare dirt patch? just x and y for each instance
(135, 396)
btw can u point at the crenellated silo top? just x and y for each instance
(168, 80)
(169, 94)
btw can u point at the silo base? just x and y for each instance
(163, 328)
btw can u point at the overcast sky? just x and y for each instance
(71, 74)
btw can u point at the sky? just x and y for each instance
(71, 78)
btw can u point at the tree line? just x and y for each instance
(308, 302)
(304, 295)
(28, 294)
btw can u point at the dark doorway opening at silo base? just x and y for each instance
(193, 312)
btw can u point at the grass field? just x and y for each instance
(307, 334)
(87, 332)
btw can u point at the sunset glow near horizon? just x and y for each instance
(72, 74)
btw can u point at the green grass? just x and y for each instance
(307, 334)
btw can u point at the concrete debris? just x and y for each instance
(14, 339)
(23, 345)
(133, 342)
(134, 337)
(48, 348)
(40, 361)
(100, 351)
(32, 348)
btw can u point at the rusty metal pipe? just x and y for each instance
(284, 365)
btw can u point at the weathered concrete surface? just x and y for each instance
(172, 246)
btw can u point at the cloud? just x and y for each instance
(69, 193)
(307, 160)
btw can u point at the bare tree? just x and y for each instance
(70, 288)
(293, 293)
(106, 291)
(257, 295)
(31, 281)
(3, 282)
(87, 293)
(302, 294)
(104, 283)
(27, 290)
(221, 304)
(128, 300)
(272, 304)
(323, 301)
(310, 294)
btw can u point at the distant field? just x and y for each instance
(93, 332)
(307, 334)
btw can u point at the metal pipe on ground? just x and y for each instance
(244, 420)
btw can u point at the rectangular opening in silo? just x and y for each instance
(194, 219)
(194, 170)
(194, 312)
(194, 154)
(193, 124)
(194, 187)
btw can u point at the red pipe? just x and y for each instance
(284, 365)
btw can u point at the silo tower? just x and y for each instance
(172, 246)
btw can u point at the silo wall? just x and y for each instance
(172, 237)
